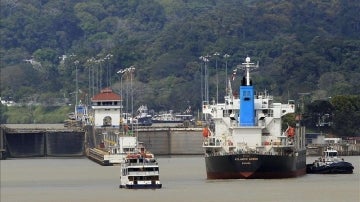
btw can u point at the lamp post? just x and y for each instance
(131, 70)
(107, 58)
(76, 87)
(76, 63)
(216, 54)
(127, 71)
(201, 79)
(121, 71)
(99, 74)
(226, 56)
(207, 77)
(205, 59)
(91, 62)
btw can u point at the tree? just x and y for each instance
(3, 116)
(346, 115)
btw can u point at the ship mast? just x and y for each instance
(246, 95)
(247, 66)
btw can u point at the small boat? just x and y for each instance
(330, 163)
(166, 118)
(171, 117)
(143, 118)
(140, 171)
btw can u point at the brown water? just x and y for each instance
(183, 179)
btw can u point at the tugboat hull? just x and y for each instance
(255, 166)
(334, 168)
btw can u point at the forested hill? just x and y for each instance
(302, 46)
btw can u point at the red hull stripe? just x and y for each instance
(255, 175)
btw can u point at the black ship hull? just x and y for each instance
(144, 121)
(141, 186)
(334, 168)
(255, 166)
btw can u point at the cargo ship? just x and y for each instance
(244, 138)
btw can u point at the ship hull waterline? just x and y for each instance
(335, 168)
(255, 166)
(142, 186)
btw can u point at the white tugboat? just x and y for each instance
(140, 171)
(330, 163)
(246, 139)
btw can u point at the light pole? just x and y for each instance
(201, 79)
(107, 58)
(91, 62)
(131, 71)
(121, 71)
(216, 54)
(76, 87)
(226, 56)
(205, 59)
(99, 74)
(128, 71)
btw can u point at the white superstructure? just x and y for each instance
(140, 171)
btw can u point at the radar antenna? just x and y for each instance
(247, 65)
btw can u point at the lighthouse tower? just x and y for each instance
(106, 107)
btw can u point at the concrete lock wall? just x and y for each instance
(31, 140)
(172, 142)
(40, 140)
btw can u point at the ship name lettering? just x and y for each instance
(246, 159)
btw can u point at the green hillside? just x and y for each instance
(302, 46)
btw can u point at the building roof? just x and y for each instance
(106, 95)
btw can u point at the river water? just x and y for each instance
(183, 179)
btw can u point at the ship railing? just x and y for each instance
(143, 173)
(143, 164)
(278, 144)
(264, 95)
(247, 152)
(212, 142)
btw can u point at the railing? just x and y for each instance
(248, 152)
(143, 164)
(212, 142)
(143, 173)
